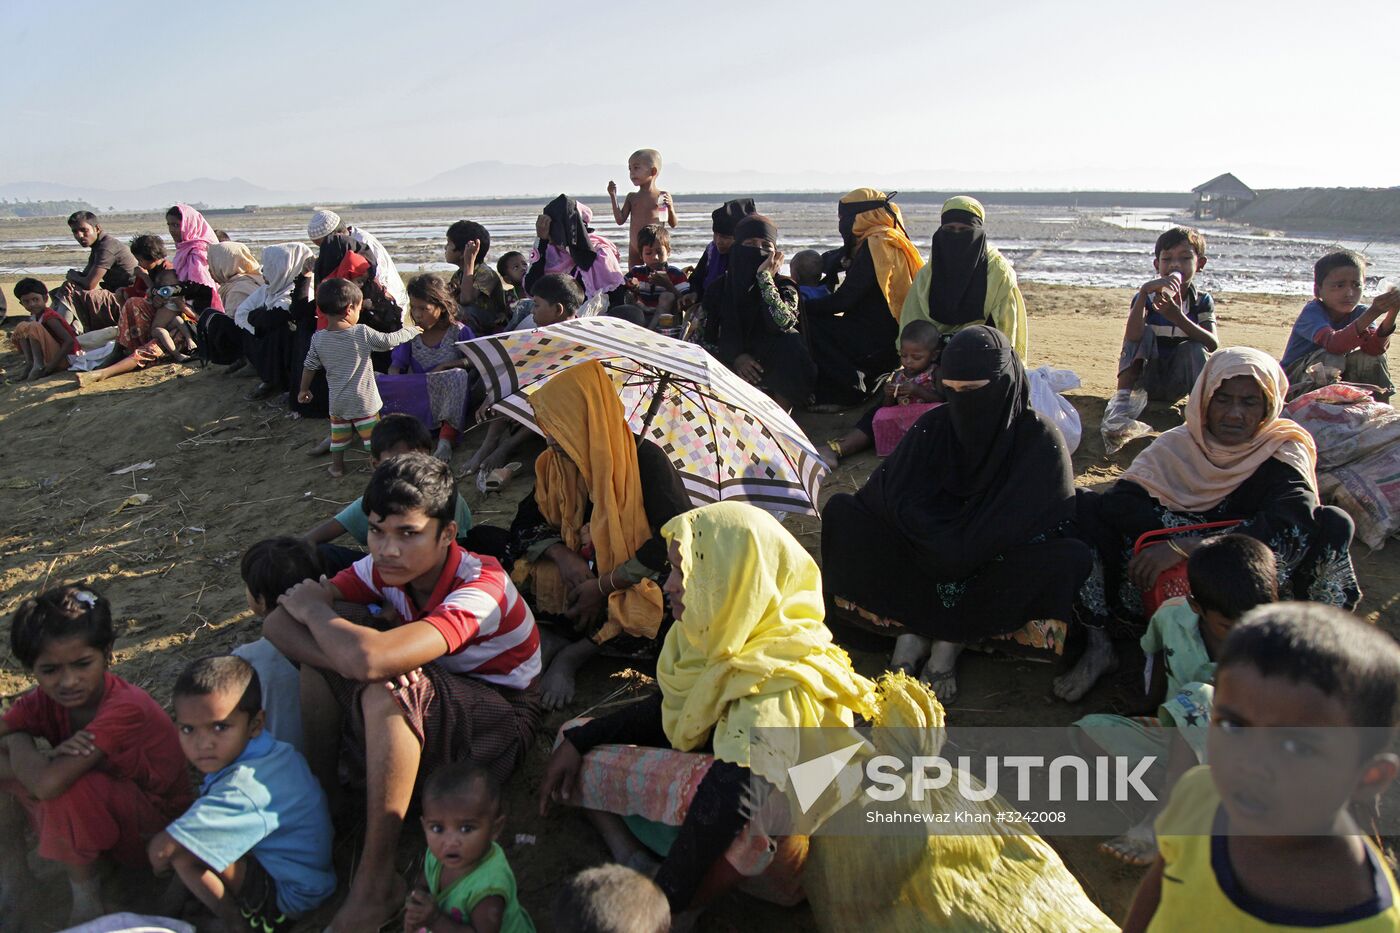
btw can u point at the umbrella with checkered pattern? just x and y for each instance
(726, 438)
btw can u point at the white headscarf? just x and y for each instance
(385, 272)
(281, 264)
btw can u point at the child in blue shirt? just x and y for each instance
(255, 847)
(1337, 331)
(806, 269)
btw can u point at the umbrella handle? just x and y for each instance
(662, 384)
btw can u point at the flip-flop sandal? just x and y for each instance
(498, 477)
(938, 680)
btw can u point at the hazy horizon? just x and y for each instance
(343, 103)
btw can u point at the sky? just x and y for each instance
(1016, 94)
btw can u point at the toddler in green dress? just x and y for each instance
(466, 882)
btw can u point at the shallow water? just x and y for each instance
(1105, 248)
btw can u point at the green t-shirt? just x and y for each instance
(356, 523)
(492, 877)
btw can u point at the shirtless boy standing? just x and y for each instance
(647, 205)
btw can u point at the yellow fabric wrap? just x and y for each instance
(896, 258)
(964, 203)
(579, 409)
(1006, 878)
(749, 649)
(1004, 305)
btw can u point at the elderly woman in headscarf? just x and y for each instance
(567, 244)
(1235, 459)
(193, 237)
(751, 317)
(236, 271)
(748, 650)
(854, 332)
(966, 281)
(715, 260)
(586, 542)
(965, 531)
(274, 316)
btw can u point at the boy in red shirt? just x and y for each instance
(444, 630)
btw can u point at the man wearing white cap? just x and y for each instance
(326, 222)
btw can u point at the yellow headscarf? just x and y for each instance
(750, 649)
(1188, 470)
(1004, 306)
(897, 259)
(227, 260)
(580, 410)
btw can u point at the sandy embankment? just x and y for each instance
(228, 472)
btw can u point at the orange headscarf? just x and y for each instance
(1188, 470)
(897, 259)
(579, 409)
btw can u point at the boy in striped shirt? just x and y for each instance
(446, 633)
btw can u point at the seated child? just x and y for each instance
(115, 775)
(647, 205)
(611, 899)
(920, 346)
(255, 846)
(393, 435)
(511, 267)
(46, 339)
(1169, 334)
(431, 374)
(1264, 836)
(1338, 332)
(1229, 576)
(343, 350)
(270, 568)
(466, 882)
(806, 268)
(172, 314)
(654, 284)
(461, 659)
(489, 312)
(555, 297)
(149, 252)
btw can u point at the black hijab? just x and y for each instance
(333, 253)
(727, 215)
(846, 214)
(957, 288)
(979, 474)
(741, 278)
(568, 231)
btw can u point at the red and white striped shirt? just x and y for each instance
(489, 630)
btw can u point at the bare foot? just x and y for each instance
(557, 684)
(829, 458)
(336, 470)
(324, 447)
(1138, 846)
(89, 378)
(371, 903)
(444, 451)
(494, 460)
(1098, 659)
(941, 670)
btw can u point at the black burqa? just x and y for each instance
(738, 320)
(568, 231)
(957, 288)
(972, 499)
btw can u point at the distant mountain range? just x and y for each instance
(491, 179)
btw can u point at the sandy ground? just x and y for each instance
(228, 472)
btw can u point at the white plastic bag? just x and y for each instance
(1046, 386)
(93, 359)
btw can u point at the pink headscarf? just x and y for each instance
(605, 273)
(192, 252)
